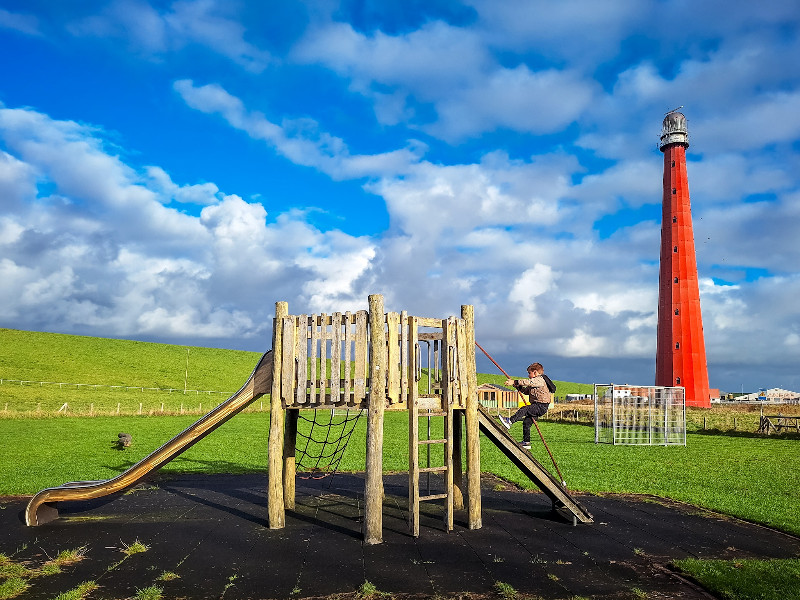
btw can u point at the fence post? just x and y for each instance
(276, 510)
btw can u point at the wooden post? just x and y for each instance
(289, 464)
(457, 424)
(473, 440)
(373, 487)
(413, 428)
(276, 509)
(449, 380)
(458, 468)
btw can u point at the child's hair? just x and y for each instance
(536, 367)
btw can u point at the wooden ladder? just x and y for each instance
(415, 470)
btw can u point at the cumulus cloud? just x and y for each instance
(128, 265)
(451, 69)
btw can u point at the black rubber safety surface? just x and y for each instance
(211, 531)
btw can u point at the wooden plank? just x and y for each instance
(431, 336)
(458, 475)
(450, 380)
(336, 357)
(323, 359)
(428, 322)
(288, 366)
(289, 451)
(347, 388)
(393, 357)
(312, 378)
(301, 352)
(360, 377)
(462, 364)
(404, 349)
(432, 497)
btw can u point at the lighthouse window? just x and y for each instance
(677, 345)
(674, 248)
(675, 280)
(677, 312)
(673, 163)
(674, 219)
(674, 191)
(677, 381)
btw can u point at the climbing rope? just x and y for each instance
(325, 442)
(552, 458)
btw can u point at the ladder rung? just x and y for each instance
(432, 441)
(433, 413)
(432, 497)
(432, 469)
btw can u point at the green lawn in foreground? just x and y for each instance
(747, 579)
(748, 477)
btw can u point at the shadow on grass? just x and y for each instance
(788, 435)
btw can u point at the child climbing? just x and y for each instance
(538, 392)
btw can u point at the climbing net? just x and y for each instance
(322, 442)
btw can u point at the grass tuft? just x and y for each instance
(368, 591)
(152, 592)
(168, 576)
(505, 590)
(12, 587)
(69, 557)
(78, 593)
(136, 547)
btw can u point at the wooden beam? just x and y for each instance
(373, 492)
(474, 520)
(289, 463)
(275, 500)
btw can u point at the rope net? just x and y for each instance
(321, 442)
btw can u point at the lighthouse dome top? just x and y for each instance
(674, 130)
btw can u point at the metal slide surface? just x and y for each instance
(526, 463)
(41, 508)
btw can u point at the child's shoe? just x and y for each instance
(526, 445)
(505, 421)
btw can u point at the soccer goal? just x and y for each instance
(637, 415)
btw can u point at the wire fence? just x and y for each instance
(28, 398)
(62, 384)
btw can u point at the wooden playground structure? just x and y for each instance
(367, 360)
(373, 360)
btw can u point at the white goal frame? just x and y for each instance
(639, 415)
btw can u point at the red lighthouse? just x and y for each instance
(681, 348)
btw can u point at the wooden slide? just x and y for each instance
(554, 489)
(41, 508)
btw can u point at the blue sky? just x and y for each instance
(170, 170)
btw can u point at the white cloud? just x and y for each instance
(153, 32)
(299, 140)
(451, 69)
(200, 193)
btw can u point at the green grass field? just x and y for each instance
(747, 476)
